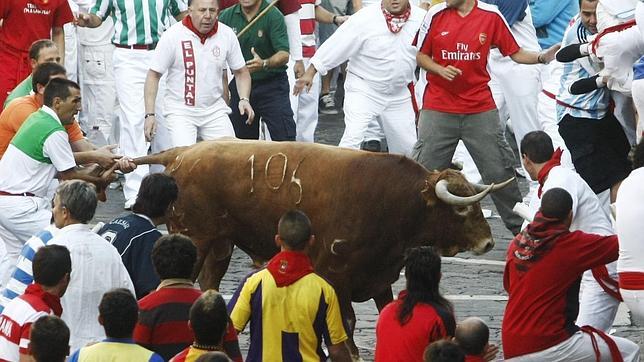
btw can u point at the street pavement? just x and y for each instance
(473, 283)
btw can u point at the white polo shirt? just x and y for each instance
(587, 213)
(20, 172)
(630, 215)
(194, 82)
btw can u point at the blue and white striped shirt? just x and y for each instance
(593, 104)
(22, 275)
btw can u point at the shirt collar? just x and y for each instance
(119, 340)
(145, 217)
(51, 112)
(75, 227)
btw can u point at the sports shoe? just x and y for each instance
(327, 104)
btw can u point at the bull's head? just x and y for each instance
(456, 214)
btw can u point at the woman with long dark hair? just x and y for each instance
(420, 315)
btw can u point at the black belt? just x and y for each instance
(137, 46)
(4, 193)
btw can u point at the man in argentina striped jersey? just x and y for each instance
(596, 140)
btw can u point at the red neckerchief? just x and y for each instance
(554, 161)
(187, 22)
(535, 240)
(395, 22)
(51, 300)
(287, 267)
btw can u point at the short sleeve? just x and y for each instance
(235, 58)
(74, 132)
(163, 53)
(58, 150)
(503, 38)
(239, 306)
(337, 333)
(102, 8)
(279, 36)
(24, 338)
(62, 15)
(288, 6)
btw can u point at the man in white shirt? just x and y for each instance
(97, 264)
(377, 41)
(630, 213)
(598, 304)
(305, 105)
(28, 167)
(195, 53)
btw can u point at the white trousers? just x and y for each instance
(98, 90)
(596, 307)
(130, 69)
(305, 106)
(71, 51)
(579, 348)
(21, 217)
(184, 130)
(394, 112)
(638, 100)
(515, 88)
(634, 299)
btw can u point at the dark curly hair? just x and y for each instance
(174, 256)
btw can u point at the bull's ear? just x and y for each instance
(429, 194)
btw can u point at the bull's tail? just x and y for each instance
(162, 158)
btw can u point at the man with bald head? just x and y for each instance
(473, 335)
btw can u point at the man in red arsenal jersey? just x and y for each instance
(454, 42)
(543, 269)
(24, 22)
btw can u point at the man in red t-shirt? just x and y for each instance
(24, 22)
(454, 42)
(542, 275)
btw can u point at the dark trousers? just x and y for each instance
(599, 149)
(270, 101)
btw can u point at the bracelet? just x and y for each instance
(540, 59)
(334, 20)
(244, 99)
(149, 115)
(265, 64)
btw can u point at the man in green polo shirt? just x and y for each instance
(265, 48)
(41, 51)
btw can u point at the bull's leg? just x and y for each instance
(214, 265)
(383, 299)
(349, 316)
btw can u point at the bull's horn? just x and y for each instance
(449, 198)
(496, 187)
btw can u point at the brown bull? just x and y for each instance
(366, 209)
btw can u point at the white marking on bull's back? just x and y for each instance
(180, 158)
(251, 159)
(297, 182)
(268, 163)
(194, 165)
(336, 241)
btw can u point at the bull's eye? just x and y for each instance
(463, 210)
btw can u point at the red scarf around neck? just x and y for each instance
(51, 300)
(554, 161)
(535, 240)
(187, 22)
(395, 22)
(287, 267)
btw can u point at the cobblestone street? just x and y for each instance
(474, 284)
